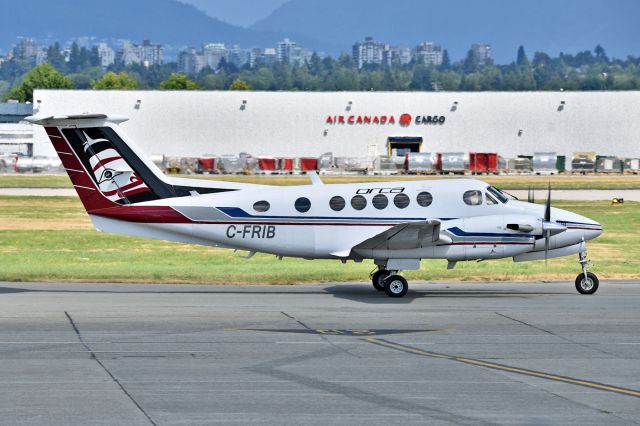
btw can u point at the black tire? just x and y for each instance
(395, 286)
(377, 279)
(588, 286)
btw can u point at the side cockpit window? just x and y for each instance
(490, 199)
(497, 194)
(472, 198)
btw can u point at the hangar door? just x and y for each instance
(398, 146)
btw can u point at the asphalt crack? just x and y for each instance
(106, 370)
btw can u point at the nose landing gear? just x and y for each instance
(586, 282)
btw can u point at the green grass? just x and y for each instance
(505, 182)
(50, 239)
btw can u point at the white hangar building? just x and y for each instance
(360, 124)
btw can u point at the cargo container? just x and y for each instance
(482, 162)
(285, 165)
(609, 164)
(267, 164)
(351, 165)
(632, 165)
(583, 162)
(231, 164)
(521, 164)
(206, 165)
(384, 165)
(325, 162)
(544, 163)
(308, 164)
(451, 162)
(419, 162)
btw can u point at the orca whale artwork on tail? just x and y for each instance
(395, 224)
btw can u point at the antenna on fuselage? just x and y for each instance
(315, 179)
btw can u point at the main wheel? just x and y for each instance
(395, 286)
(378, 279)
(588, 285)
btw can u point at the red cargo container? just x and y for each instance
(285, 164)
(308, 164)
(483, 162)
(267, 164)
(206, 165)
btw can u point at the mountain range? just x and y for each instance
(332, 26)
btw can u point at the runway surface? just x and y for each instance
(494, 353)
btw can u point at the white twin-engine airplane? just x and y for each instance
(394, 223)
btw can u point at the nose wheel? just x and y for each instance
(586, 282)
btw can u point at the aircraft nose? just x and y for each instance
(590, 228)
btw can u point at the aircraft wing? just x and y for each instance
(404, 236)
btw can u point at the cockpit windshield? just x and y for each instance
(500, 195)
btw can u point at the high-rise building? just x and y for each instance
(291, 52)
(213, 54)
(128, 54)
(481, 53)
(428, 53)
(396, 55)
(147, 53)
(106, 54)
(369, 52)
(150, 53)
(190, 61)
(269, 56)
(237, 56)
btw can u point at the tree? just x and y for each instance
(522, 60)
(601, 55)
(239, 85)
(179, 82)
(113, 81)
(446, 61)
(41, 77)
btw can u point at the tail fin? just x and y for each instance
(106, 170)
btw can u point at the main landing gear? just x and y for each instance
(586, 282)
(390, 282)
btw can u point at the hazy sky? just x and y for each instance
(238, 12)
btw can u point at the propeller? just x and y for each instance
(547, 232)
(549, 228)
(531, 196)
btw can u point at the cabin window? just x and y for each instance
(472, 198)
(490, 199)
(261, 206)
(302, 204)
(358, 202)
(401, 200)
(380, 201)
(337, 203)
(424, 199)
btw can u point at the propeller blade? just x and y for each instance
(547, 210)
(529, 194)
(546, 248)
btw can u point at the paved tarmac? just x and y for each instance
(486, 353)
